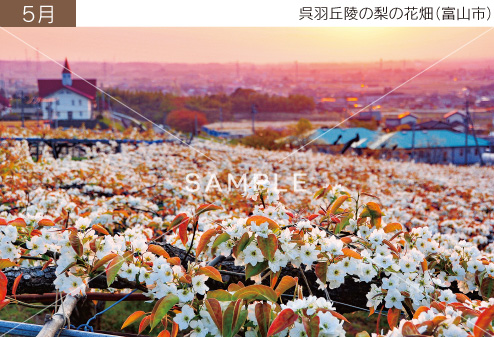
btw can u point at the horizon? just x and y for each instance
(260, 46)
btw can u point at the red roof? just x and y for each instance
(451, 113)
(3, 101)
(81, 87)
(66, 68)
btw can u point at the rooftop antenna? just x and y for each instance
(37, 62)
(296, 72)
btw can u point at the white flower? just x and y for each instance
(393, 299)
(447, 296)
(183, 318)
(308, 254)
(253, 255)
(199, 284)
(199, 330)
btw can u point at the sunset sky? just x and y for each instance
(259, 45)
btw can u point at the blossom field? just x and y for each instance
(262, 256)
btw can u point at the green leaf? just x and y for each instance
(242, 317)
(220, 239)
(254, 270)
(344, 222)
(256, 292)
(220, 295)
(113, 268)
(241, 244)
(229, 317)
(206, 208)
(487, 287)
(311, 326)
(162, 307)
(268, 246)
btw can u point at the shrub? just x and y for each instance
(185, 120)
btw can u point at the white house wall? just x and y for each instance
(68, 101)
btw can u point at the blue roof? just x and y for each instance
(329, 136)
(425, 139)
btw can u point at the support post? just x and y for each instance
(61, 318)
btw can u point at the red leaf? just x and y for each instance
(393, 317)
(174, 261)
(104, 260)
(16, 284)
(4, 303)
(144, 323)
(311, 326)
(337, 203)
(321, 270)
(100, 229)
(339, 316)
(286, 283)
(312, 217)
(409, 329)
(282, 321)
(174, 330)
(47, 263)
(268, 246)
(259, 219)
(483, 322)
(206, 208)
(45, 223)
(158, 250)
(164, 333)
(263, 316)
(183, 232)
(211, 272)
(3, 286)
(19, 222)
(204, 240)
(351, 253)
(76, 243)
(132, 318)
(214, 308)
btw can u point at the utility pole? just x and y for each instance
(253, 112)
(413, 140)
(465, 121)
(221, 118)
(195, 125)
(22, 108)
(470, 121)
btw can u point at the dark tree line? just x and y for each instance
(155, 105)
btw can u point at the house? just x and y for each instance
(405, 118)
(434, 125)
(4, 103)
(67, 98)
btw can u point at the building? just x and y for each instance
(4, 103)
(336, 139)
(67, 98)
(431, 146)
(405, 118)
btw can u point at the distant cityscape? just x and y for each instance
(447, 101)
(336, 88)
